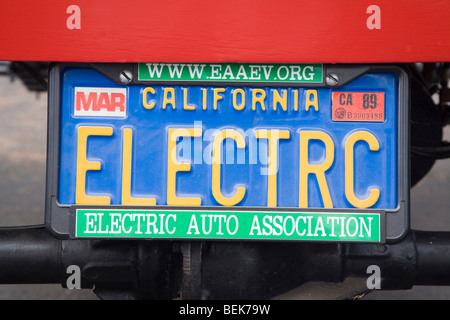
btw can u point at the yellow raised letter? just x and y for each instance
(278, 99)
(217, 147)
(317, 169)
(166, 100)
(349, 169)
(126, 174)
(84, 165)
(273, 136)
(314, 102)
(259, 99)
(186, 106)
(296, 100)
(242, 93)
(205, 95)
(216, 96)
(173, 167)
(144, 98)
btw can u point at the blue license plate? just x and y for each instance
(236, 146)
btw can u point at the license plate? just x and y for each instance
(228, 151)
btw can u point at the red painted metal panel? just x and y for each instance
(222, 31)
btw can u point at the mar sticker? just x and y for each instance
(100, 102)
(358, 106)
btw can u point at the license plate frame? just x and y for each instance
(61, 220)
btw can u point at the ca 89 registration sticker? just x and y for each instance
(358, 106)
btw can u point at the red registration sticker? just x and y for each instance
(358, 106)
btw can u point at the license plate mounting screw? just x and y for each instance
(126, 76)
(332, 79)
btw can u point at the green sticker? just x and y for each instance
(231, 72)
(214, 224)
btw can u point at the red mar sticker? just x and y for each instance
(358, 106)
